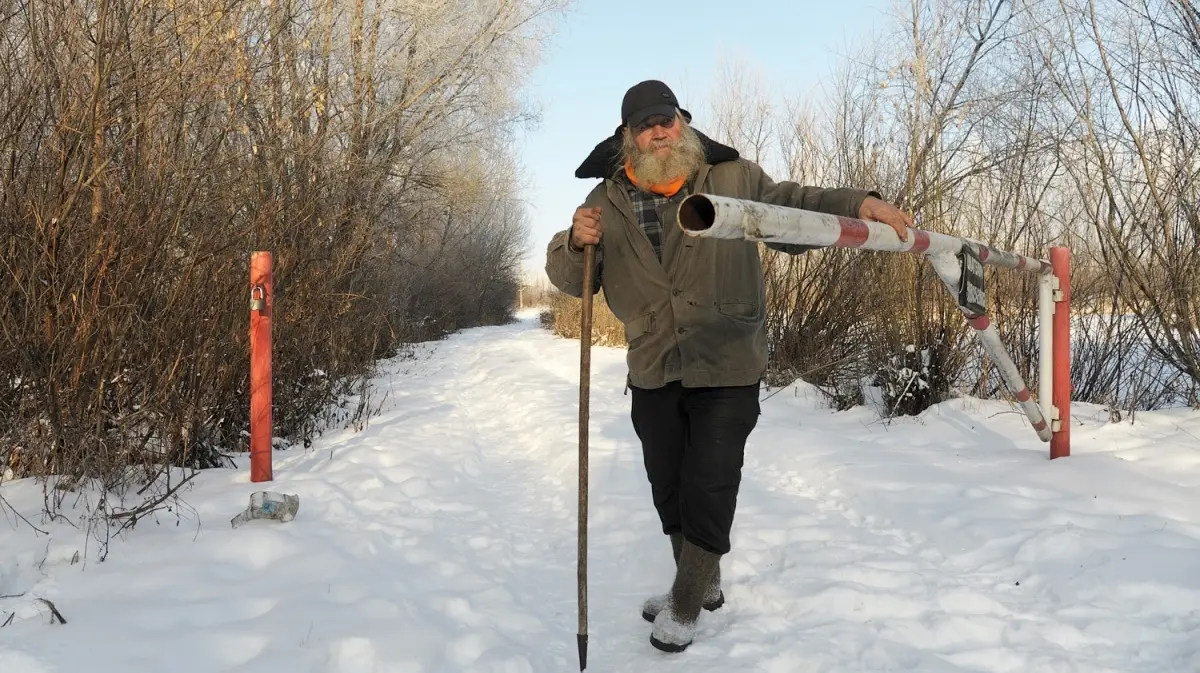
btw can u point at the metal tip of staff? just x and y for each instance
(582, 638)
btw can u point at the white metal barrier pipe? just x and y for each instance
(709, 216)
(705, 215)
(1046, 346)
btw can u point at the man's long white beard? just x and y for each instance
(683, 161)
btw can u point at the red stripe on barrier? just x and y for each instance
(981, 323)
(984, 253)
(1023, 395)
(921, 244)
(1039, 426)
(854, 233)
(1021, 262)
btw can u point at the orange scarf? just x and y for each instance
(668, 189)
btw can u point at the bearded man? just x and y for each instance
(693, 311)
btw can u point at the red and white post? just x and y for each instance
(1054, 350)
(1060, 353)
(261, 426)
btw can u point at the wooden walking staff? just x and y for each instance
(585, 366)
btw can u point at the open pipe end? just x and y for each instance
(697, 213)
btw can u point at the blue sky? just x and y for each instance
(596, 54)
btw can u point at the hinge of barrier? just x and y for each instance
(1055, 420)
(1055, 289)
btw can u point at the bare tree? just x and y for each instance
(148, 148)
(1128, 91)
(741, 111)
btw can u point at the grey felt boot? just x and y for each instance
(675, 624)
(713, 598)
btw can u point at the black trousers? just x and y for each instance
(693, 444)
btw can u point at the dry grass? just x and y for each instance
(565, 315)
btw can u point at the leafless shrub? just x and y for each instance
(147, 148)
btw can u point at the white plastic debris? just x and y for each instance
(269, 505)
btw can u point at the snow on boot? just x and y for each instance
(713, 598)
(675, 625)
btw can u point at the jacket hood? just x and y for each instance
(604, 161)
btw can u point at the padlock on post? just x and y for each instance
(259, 302)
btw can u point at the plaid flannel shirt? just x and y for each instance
(645, 206)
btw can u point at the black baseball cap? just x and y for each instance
(651, 97)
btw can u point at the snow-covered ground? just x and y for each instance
(442, 538)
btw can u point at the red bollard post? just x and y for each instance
(261, 303)
(1060, 441)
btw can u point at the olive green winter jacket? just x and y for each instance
(698, 316)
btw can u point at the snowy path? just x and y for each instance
(442, 538)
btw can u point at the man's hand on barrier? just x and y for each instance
(879, 210)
